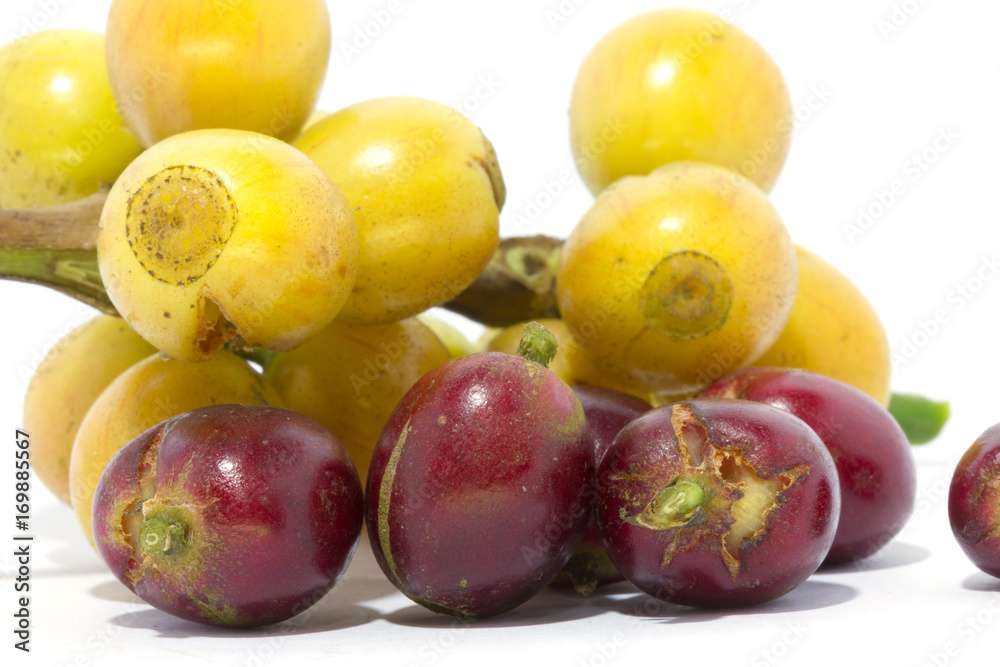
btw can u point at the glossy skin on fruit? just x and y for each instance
(149, 392)
(974, 499)
(679, 84)
(67, 382)
(219, 233)
(426, 191)
(570, 363)
(608, 412)
(479, 487)
(677, 277)
(456, 342)
(762, 523)
(878, 477)
(350, 378)
(60, 134)
(262, 509)
(181, 65)
(833, 330)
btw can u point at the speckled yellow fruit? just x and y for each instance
(218, 233)
(570, 363)
(349, 378)
(679, 84)
(456, 342)
(65, 385)
(181, 65)
(426, 190)
(672, 277)
(149, 392)
(833, 330)
(60, 134)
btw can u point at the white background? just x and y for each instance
(885, 97)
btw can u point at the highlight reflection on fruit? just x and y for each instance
(674, 85)
(426, 191)
(60, 134)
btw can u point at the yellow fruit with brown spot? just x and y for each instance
(149, 392)
(215, 234)
(350, 378)
(833, 330)
(67, 382)
(60, 134)
(181, 65)
(672, 277)
(426, 191)
(679, 84)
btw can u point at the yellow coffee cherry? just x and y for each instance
(149, 392)
(833, 330)
(671, 275)
(350, 378)
(67, 382)
(426, 191)
(60, 134)
(181, 65)
(679, 84)
(218, 233)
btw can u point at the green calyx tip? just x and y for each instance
(158, 537)
(678, 504)
(537, 344)
(920, 418)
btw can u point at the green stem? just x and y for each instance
(677, 504)
(920, 418)
(537, 344)
(70, 271)
(160, 536)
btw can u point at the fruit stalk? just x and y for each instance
(518, 284)
(55, 246)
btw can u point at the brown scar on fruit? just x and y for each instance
(716, 481)
(687, 295)
(132, 517)
(491, 166)
(214, 327)
(759, 497)
(178, 223)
